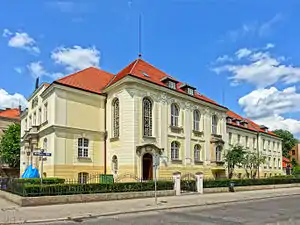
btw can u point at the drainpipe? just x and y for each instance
(105, 134)
(258, 153)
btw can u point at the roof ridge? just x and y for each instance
(134, 65)
(80, 71)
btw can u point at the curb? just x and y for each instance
(92, 216)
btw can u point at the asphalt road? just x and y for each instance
(271, 211)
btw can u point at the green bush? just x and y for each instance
(249, 182)
(51, 180)
(32, 190)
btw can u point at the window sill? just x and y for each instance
(114, 139)
(198, 133)
(149, 137)
(217, 135)
(176, 161)
(176, 128)
(198, 162)
(84, 159)
(219, 163)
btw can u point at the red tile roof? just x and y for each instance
(90, 79)
(236, 116)
(95, 80)
(251, 125)
(285, 162)
(10, 113)
(144, 70)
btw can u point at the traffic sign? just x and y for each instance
(156, 160)
(42, 154)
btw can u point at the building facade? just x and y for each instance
(94, 122)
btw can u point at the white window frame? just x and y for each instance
(175, 150)
(214, 124)
(147, 117)
(197, 153)
(83, 148)
(175, 112)
(83, 177)
(116, 117)
(196, 120)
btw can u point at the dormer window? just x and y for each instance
(237, 122)
(229, 120)
(170, 82)
(187, 88)
(264, 128)
(244, 123)
(172, 85)
(190, 91)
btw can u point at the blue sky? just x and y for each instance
(246, 49)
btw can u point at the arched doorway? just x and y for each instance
(147, 166)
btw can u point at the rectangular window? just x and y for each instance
(274, 146)
(34, 119)
(83, 148)
(293, 152)
(264, 144)
(269, 145)
(30, 121)
(40, 116)
(190, 91)
(45, 112)
(269, 162)
(274, 163)
(239, 139)
(172, 85)
(230, 138)
(254, 143)
(247, 142)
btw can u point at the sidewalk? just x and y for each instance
(11, 213)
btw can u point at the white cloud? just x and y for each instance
(76, 58)
(267, 102)
(243, 52)
(266, 106)
(278, 122)
(224, 58)
(36, 69)
(256, 29)
(261, 69)
(11, 100)
(21, 40)
(270, 45)
(18, 70)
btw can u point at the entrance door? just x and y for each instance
(147, 167)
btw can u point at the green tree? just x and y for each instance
(233, 158)
(294, 162)
(10, 146)
(288, 141)
(251, 163)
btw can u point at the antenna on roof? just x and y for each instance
(140, 35)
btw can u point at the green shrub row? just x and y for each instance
(38, 180)
(32, 190)
(249, 182)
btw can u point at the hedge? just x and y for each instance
(31, 190)
(38, 180)
(250, 182)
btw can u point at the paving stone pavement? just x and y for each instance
(11, 213)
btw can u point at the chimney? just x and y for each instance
(37, 83)
(20, 109)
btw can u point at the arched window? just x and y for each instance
(197, 115)
(174, 115)
(83, 178)
(218, 153)
(83, 147)
(114, 164)
(147, 117)
(174, 150)
(214, 124)
(197, 152)
(116, 118)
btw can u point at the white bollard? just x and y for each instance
(199, 182)
(176, 178)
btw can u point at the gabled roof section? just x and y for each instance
(258, 128)
(90, 79)
(10, 113)
(145, 71)
(233, 115)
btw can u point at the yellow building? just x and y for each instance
(94, 122)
